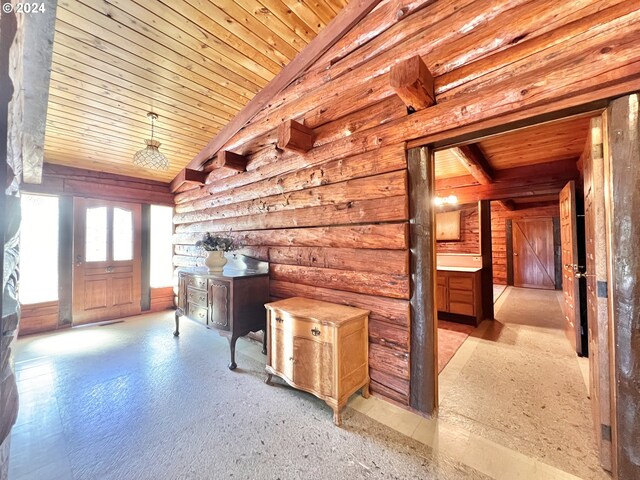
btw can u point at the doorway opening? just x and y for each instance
(516, 373)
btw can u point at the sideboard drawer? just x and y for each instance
(197, 312)
(302, 327)
(197, 282)
(198, 297)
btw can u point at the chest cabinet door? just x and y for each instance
(219, 304)
(313, 365)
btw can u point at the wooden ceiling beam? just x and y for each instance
(186, 177)
(508, 191)
(531, 180)
(413, 83)
(295, 136)
(231, 160)
(341, 24)
(472, 158)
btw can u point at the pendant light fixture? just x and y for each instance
(150, 157)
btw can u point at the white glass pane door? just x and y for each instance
(122, 234)
(96, 234)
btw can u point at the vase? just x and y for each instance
(215, 261)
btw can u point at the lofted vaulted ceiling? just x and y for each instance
(195, 63)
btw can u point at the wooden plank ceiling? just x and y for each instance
(526, 166)
(195, 63)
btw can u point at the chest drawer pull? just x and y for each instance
(201, 314)
(315, 332)
(279, 320)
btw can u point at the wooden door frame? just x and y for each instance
(622, 198)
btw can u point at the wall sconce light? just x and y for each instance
(441, 201)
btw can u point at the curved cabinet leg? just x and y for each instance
(365, 391)
(177, 330)
(337, 418)
(264, 341)
(232, 347)
(268, 379)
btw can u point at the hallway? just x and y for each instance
(517, 382)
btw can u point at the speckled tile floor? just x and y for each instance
(129, 401)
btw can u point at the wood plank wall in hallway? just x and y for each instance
(333, 221)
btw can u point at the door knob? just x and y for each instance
(583, 275)
(515, 254)
(78, 260)
(109, 269)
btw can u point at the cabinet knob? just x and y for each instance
(279, 320)
(315, 332)
(292, 360)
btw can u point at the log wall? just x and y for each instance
(333, 221)
(499, 216)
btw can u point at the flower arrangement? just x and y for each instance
(212, 244)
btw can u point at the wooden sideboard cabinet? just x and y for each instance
(231, 302)
(319, 347)
(458, 294)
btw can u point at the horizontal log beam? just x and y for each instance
(187, 177)
(472, 158)
(387, 236)
(503, 191)
(412, 81)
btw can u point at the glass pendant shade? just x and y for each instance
(150, 157)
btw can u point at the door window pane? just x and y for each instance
(96, 235)
(122, 234)
(38, 249)
(161, 246)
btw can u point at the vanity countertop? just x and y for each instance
(459, 269)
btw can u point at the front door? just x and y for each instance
(533, 262)
(106, 273)
(570, 264)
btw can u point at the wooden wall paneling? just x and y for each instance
(390, 310)
(424, 343)
(288, 178)
(384, 236)
(69, 181)
(623, 200)
(65, 261)
(395, 262)
(145, 257)
(385, 285)
(39, 317)
(379, 64)
(161, 299)
(367, 188)
(388, 209)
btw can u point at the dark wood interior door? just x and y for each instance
(569, 247)
(533, 265)
(107, 260)
(596, 278)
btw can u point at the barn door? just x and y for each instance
(533, 264)
(107, 260)
(596, 277)
(570, 264)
